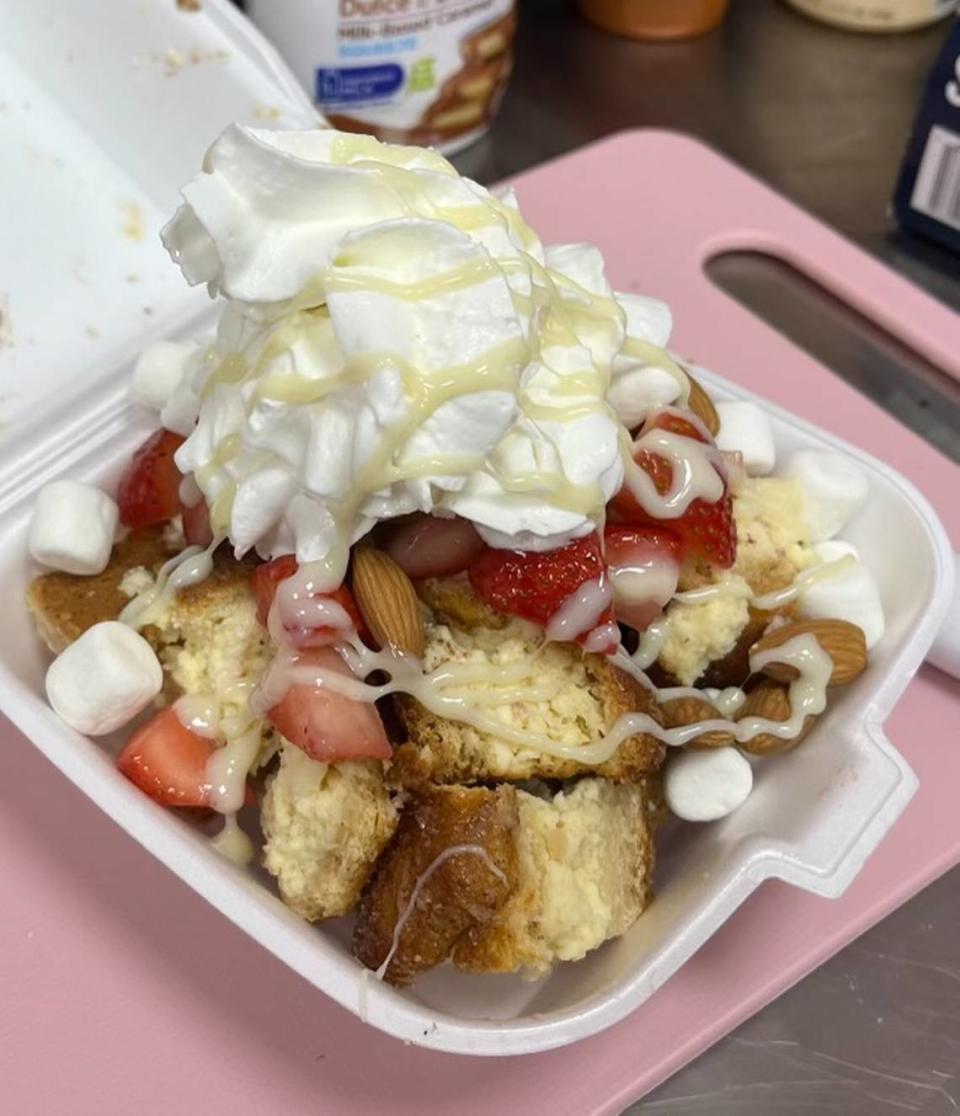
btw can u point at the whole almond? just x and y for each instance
(843, 642)
(702, 406)
(682, 711)
(387, 601)
(771, 701)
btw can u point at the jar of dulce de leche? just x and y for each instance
(428, 72)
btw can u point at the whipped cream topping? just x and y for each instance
(395, 338)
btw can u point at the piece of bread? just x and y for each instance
(586, 863)
(65, 605)
(324, 826)
(707, 642)
(438, 895)
(576, 867)
(207, 638)
(562, 695)
(210, 640)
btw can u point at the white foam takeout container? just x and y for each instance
(94, 151)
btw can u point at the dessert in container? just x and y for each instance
(816, 815)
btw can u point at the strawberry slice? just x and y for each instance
(431, 546)
(536, 585)
(644, 564)
(707, 530)
(168, 762)
(326, 725)
(264, 584)
(149, 490)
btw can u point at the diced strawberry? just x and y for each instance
(264, 583)
(196, 523)
(684, 426)
(706, 529)
(168, 762)
(148, 492)
(265, 580)
(429, 546)
(326, 725)
(644, 563)
(535, 585)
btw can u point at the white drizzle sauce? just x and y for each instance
(190, 567)
(581, 611)
(439, 692)
(200, 713)
(442, 858)
(767, 602)
(652, 640)
(232, 842)
(697, 470)
(228, 767)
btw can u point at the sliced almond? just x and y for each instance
(771, 701)
(387, 601)
(843, 642)
(702, 406)
(682, 711)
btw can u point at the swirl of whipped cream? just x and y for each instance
(395, 338)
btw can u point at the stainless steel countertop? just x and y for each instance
(823, 116)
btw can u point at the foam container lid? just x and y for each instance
(95, 151)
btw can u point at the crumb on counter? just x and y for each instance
(188, 5)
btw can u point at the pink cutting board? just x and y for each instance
(124, 992)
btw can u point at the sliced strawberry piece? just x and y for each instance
(326, 725)
(429, 546)
(535, 586)
(264, 584)
(683, 425)
(196, 523)
(707, 530)
(149, 490)
(265, 580)
(644, 564)
(168, 762)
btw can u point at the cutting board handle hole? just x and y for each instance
(869, 357)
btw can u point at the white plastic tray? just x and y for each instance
(816, 814)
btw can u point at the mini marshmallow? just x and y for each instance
(104, 678)
(853, 596)
(945, 652)
(632, 394)
(746, 429)
(159, 369)
(707, 785)
(73, 527)
(834, 488)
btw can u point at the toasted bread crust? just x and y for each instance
(453, 601)
(65, 605)
(586, 866)
(456, 894)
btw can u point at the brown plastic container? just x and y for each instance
(655, 19)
